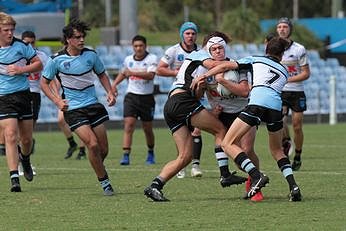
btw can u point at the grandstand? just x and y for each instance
(317, 87)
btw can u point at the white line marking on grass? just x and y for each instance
(146, 169)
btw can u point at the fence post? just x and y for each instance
(332, 100)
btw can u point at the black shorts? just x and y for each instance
(296, 100)
(16, 105)
(228, 118)
(36, 104)
(253, 115)
(139, 106)
(92, 115)
(178, 110)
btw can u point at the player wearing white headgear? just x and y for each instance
(183, 111)
(169, 66)
(293, 97)
(228, 108)
(265, 105)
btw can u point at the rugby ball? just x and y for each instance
(231, 76)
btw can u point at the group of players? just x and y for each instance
(195, 72)
(276, 81)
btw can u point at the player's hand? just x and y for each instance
(219, 77)
(14, 70)
(111, 98)
(62, 104)
(198, 83)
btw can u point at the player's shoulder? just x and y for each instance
(17, 40)
(297, 46)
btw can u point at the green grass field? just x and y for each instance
(65, 195)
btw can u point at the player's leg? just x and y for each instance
(247, 143)
(36, 106)
(196, 153)
(206, 121)
(68, 134)
(150, 140)
(81, 154)
(25, 128)
(129, 128)
(275, 137)
(183, 140)
(286, 138)
(9, 128)
(87, 135)
(231, 145)
(2, 144)
(297, 124)
(102, 139)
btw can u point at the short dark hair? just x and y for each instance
(139, 38)
(216, 34)
(276, 46)
(77, 25)
(28, 34)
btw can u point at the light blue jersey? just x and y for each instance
(20, 54)
(269, 78)
(76, 76)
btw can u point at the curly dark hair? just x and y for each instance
(77, 25)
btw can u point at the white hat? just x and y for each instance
(213, 41)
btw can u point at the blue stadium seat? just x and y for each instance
(101, 50)
(313, 55)
(238, 48)
(156, 50)
(127, 50)
(165, 83)
(252, 48)
(333, 62)
(46, 49)
(160, 100)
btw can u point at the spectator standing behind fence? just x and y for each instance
(293, 97)
(16, 119)
(139, 102)
(74, 67)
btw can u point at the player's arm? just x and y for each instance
(148, 75)
(50, 89)
(111, 94)
(215, 68)
(303, 75)
(120, 77)
(163, 69)
(240, 89)
(34, 66)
